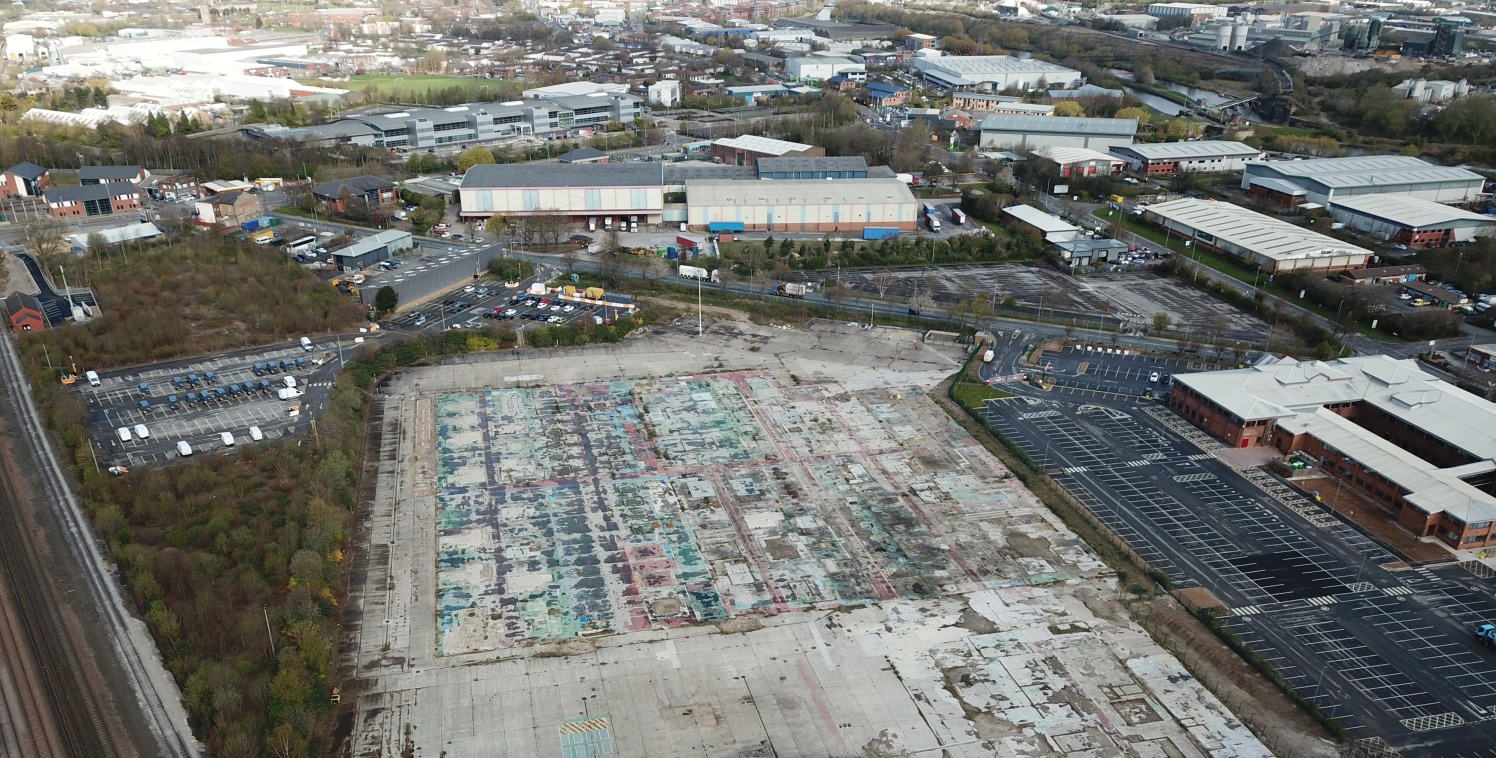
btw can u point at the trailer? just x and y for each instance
(698, 273)
(792, 289)
(958, 217)
(880, 233)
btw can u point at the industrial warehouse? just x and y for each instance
(801, 205)
(1418, 447)
(1327, 180)
(580, 191)
(1275, 245)
(1411, 221)
(1169, 158)
(1035, 132)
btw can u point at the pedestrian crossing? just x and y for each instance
(1076, 469)
(1398, 590)
(1321, 601)
(1200, 457)
(1137, 464)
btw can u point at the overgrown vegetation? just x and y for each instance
(1368, 303)
(196, 295)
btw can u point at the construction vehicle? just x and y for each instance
(791, 289)
(1485, 634)
(69, 375)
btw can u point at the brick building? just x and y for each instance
(111, 175)
(25, 180)
(92, 200)
(1417, 447)
(25, 312)
(744, 150)
(334, 195)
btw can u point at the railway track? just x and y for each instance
(40, 632)
(155, 692)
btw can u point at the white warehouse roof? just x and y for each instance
(1264, 235)
(757, 144)
(1068, 155)
(1044, 222)
(1187, 150)
(1411, 212)
(1367, 170)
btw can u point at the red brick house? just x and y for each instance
(334, 195)
(25, 180)
(25, 312)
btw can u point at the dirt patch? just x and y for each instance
(740, 625)
(976, 623)
(1371, 519)
(714, 312)
(1028, 547)
(1277, 721)
(17, 278)
(1198, 598)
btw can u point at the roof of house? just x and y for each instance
(1044, 222)
(89, 192)
(582, 154)
(1376, 273)
(108, 172)
(1008, 122)
(516, 175)
(1163, 151)
(16, 301)
(358, 185)
(1411, 212)
(26, 170)
(1249, 230)
(757, 144)
(1068, 155)
(230, 197)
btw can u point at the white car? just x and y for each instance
(568, 308)
(1153, 377)
(1405, 296)
(469, 289)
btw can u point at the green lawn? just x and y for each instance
(975, 395)
(410, 83)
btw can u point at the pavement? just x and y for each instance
(1376, 638)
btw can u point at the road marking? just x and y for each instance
(820, 644)
(1399, 590)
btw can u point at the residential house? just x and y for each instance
(334, 195)
(92, 200)
(235, 208)
(25, 180)
(885, 95)
(25, 312)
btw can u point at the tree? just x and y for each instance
(473, 156)
(386, 299)
(1141, 114)
(1069, 108)
(1161, 322)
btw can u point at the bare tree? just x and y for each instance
(44, 237)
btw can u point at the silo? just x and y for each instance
(1239, 36)
(1222, 36)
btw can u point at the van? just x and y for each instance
(183, 449)
(226, 438)
(287, 393)
(259, 369)
(210, 377)
(290, 381)
(192, 398)
(272, 367)
(124, 433)
(171, 400)
(264, 386)
(192, 380)
(145, 407)
(142, 432)
(306, 344)
(300, 364)
(177, 382)
(255, 434)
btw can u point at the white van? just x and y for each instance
(226, 438)
(142, 432)
(183, 449)
(92, 377)
(255, 434)
(306, 344)
(290, 381)
(124, 433)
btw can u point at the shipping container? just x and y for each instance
(725, 226)
(880, 233)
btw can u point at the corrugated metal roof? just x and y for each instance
(1249, 230)
(1369, 170)
(535, 175)
(1188, 150)
(1412, 212)
(1067, 155)
(798, 192)
(1005, 122)
(1038, 219)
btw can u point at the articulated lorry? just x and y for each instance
(696, 272)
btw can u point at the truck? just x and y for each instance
(1485, 634)
(791, 289)
(701, 274)
(880, 232)
(931, 217)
